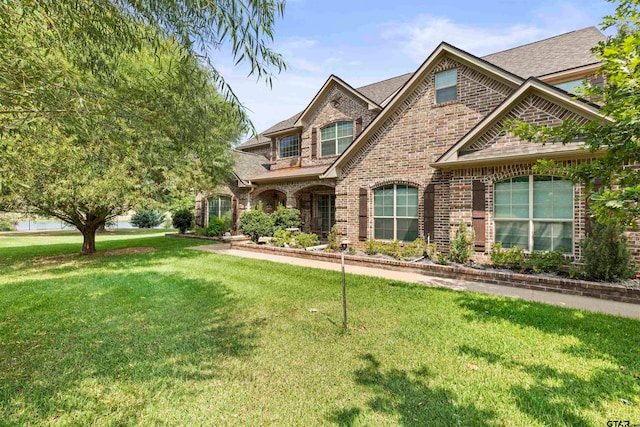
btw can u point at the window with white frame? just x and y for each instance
(534, 213)
(571, 86)
(395, 212)
(446, 86)
(220, 206)
(289, 146)
(335, 138)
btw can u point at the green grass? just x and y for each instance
(183, 337)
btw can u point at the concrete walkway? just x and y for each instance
(571, 301)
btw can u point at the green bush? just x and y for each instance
(546, 262)
(462, 244)
(282, 238)
(284, 218)
(332, 239)
(147, 218)
(7, 224)
(305, 240)
(217, 226)
(183, 220)
(255, 223)
(605, 254)
(398, 250)
(371, 247)
(507, 258)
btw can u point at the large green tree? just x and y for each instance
(616, 141)
(107, 105)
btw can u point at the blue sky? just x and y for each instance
(367, 41)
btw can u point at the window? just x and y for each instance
(571, 86)
(446, 86)
(289, 146)
(395, 212)
(220, 206)
(335, 138)
(534, 213)
(326, 211)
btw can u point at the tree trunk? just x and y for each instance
(89, 243)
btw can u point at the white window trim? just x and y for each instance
(436, 89)
(531, 220)
(394, 217)
(288, 136)
(219, 213)
(335, 140)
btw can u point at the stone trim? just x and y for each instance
(585, 288)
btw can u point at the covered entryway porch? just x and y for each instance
(317, 205)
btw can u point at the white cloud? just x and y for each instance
(419, 36)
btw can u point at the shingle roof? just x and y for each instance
(286, 173)
(559, 53)
(247, 165)
(377, 92)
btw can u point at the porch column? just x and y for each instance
(291, 200)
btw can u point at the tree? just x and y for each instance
(107, 105)
(156, 127)
(615, 140)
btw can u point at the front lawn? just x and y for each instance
(183, 337)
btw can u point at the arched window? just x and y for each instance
(395, 212)
(534, 213)
(220, 206)
(335, 138)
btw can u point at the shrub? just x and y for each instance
(546, 262)
(332, 239)
(371, 247)
(8, 223)
(183, 220)
(507, 258)
(462, 244)
(284, 218)
(217, 226)
(282, 238)
(605, 253)
(255, 223)
(305, 240)
(147, 218)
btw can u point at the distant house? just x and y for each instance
(414, 155)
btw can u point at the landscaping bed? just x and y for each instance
(609, 291)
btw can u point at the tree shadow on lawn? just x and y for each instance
(146, 329)
(560, 398)
(556, 397)
(407, 396)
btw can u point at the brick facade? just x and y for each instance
(417, 134)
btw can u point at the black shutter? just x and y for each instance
(430, 212)
(234, 213)
(363, 217)
(274, 149)
(479, 215)
(314, 143)
(358, 126)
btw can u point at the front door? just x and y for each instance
(325, 212)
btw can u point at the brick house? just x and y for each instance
(414, 155)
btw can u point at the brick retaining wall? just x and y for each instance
(606, 291)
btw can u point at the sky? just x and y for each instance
(364, 42)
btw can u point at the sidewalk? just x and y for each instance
(570, 301)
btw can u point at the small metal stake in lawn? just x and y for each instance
(345, 245)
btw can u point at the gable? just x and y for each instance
(534, 103)
(412, 90)
(427, 129)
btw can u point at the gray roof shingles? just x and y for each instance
(247, 165)
(544, 57)
(549, 56)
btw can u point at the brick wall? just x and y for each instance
(336, 105)
(415, 135)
